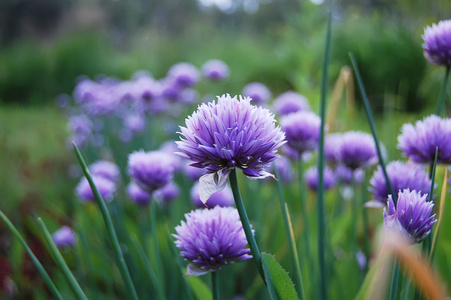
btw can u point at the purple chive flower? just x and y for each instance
(150, 170)
(215, 69)
(106, 169)
(290, 102)
(285, 169)
(170, 148)
(311, 178)
(184, 74)
(210, 239)
(402, 176)
(106, 188)
(412, 216)
(81, 127)
(64, 237)
(258, 92)
(137, 194)
(419, 142)
(437, 43)
(221, 198)
(358, 150)
(168, 193)
(135, 122)
(230, 133)
(302, 130)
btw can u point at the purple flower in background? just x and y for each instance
(402, 176)
(210, 239)
(215, 69)
(230, 133)
(106, 169)
(81, 127)
(286, 172)
(258, 92)
(347, 175)
(419, 142)
(170, 148)
(137, 194)
(302, 130)
(290, 102)
(150, 170)
(357, 150)
(135, 122)
(332, 144)
(221, 198)
(184, 74)
(64, 237)
(311, 178)
(412, 216)
(193, 173)
(437, 43)
(168, 193)
(106, 188)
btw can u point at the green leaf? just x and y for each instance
(282, 286)
(199, 288)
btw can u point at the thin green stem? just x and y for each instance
(48, 281)
(156, 245)
(291, 240)
(394, 281)
(246, 225)
(109, 229)
(366, 238)
(215, 285)
(442, 95)
(306, 232)
(61, 262)
(323, 287)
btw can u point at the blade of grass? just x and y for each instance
(61, 262)
(109, 228)
(442, 95)
(48, 281)
(323, 287)
(440, 215)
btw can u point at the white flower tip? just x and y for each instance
(211, 183)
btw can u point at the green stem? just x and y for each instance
(109, 228)
(306, 232)
(442, 95)
(154, 229)
(246, 225)
(394, 281)
(366, 231)
(291, 240)
(323, 282)
(215, 285)
(61, 262)
(48, 281)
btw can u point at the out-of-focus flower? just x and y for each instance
(210, 239)
(347, 175)
(168, 193)
(311, 178)
(258, 92)
(357, 150)
(419, 142)
(137, 194)
(332, 144)
(193, 173)
(64, 237)
(215, 69)
(81, 127)
(230, 133)
(301, 130)
(437, 43)
(106, 188)
(285, 169)
(106, 169)
(290, 102)
(184, 74)
(402, 176)
(135, 122)
(221, 198)
(411, 216)
(150, 170)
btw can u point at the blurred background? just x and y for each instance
(47, 46)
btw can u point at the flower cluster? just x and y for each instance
(302, 130)
(437, 43)
(411, 216)
(210, 239)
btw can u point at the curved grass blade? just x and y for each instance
(109, 228)
(61, 262)
(440, 215)
(48, 281)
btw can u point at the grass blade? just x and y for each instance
(440, 215)
(61, 262)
